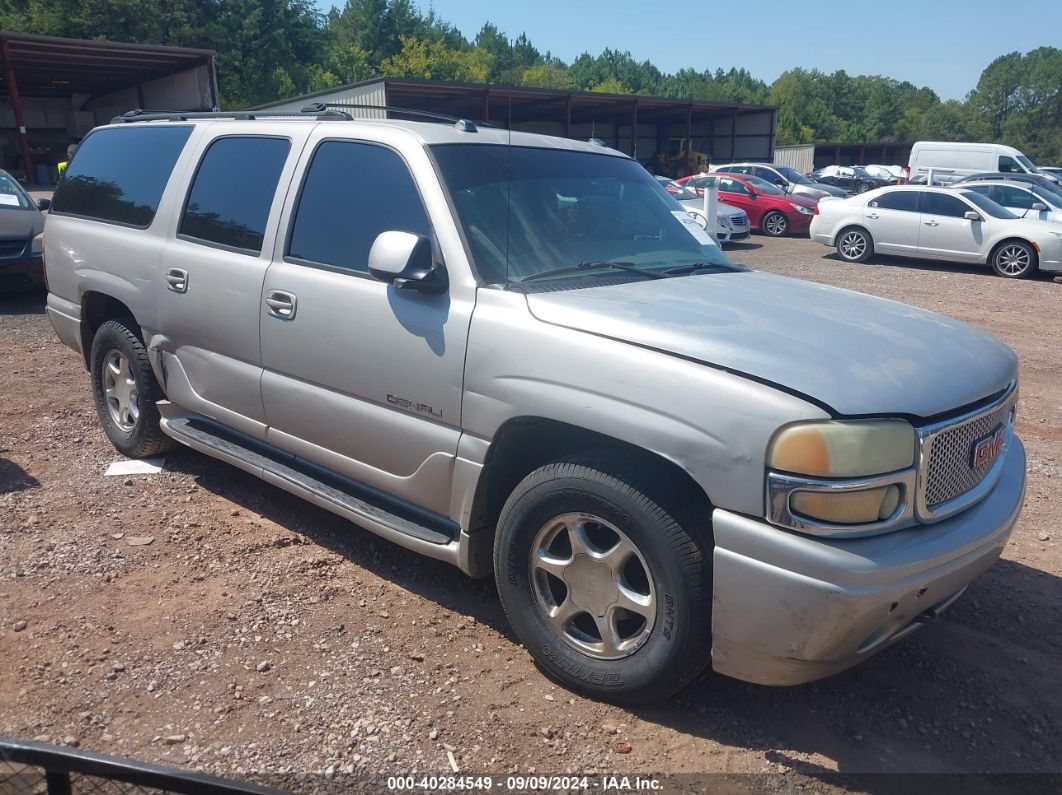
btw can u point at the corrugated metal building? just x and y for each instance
(654, 130)
(806, 158)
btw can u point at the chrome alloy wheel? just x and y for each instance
(119, 390)
(776, 224)
(592, 585)
(852, 245)
(1013, 260)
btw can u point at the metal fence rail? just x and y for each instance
(32, 768)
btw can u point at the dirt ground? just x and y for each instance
(256, 635)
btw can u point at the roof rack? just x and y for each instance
(180, 115)
(465, 125)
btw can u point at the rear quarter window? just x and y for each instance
(119, 174)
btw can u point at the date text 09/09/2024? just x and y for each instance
(606, 783)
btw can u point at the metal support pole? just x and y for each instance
(634, 131)
(16, 105)
(733, 135)
(711, 209)
(689, 140)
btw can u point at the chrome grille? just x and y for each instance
(948, 470)
(740, 220)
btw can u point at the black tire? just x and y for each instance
(862, 187)
(143, 438)
(1014, 259)
(775, 224)
(673, 542)
(849, 247)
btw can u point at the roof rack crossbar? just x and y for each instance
(321, 107)
(180, 115)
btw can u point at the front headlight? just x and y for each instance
(725, 222)
(800, 208)
(37, 245)
(842, 477)
(839, 449)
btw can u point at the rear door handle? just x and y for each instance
(177, 280)
(872, 215)
(281, 304)
(932, 223)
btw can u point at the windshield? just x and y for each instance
(1050, 197)
(525, 211)
(792, 175)
(679, 192)
(1027, 163)
(12, 195)
(763, 186)
(986, 205)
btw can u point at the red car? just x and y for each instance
(770, 209)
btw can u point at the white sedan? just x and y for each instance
(937, 223)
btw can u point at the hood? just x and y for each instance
(17, 224)
(832, 190)
(798, 198)
(857, 354)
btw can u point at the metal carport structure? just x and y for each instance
(47, 81)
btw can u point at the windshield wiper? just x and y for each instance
(616, 265)
(695, 267)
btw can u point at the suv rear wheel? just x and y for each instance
(125, 391)
(601, 581)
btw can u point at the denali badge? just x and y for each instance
(412, 405)
(987, 447)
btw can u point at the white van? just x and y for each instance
(952, 161)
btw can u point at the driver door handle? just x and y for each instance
(932, 223)
(872, 215)
(281, 304)
(177, 280)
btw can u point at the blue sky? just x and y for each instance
(943, 44)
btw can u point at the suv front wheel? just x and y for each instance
(604, 585)
(125, 391)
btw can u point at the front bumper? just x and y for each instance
(789, 608)
(21, 272)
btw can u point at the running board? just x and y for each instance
(428, 534)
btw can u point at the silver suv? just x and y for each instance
(513, 353)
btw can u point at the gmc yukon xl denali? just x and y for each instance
(517, 354)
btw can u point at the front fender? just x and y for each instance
(713, 424)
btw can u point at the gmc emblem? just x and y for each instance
(987, 447)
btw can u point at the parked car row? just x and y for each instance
(732, 224)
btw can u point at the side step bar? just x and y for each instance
(435, 536)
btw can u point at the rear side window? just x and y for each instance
(119, 174)
(732, 186)
(897, 200)
(942, 204)
(352, 192)
(233, 190)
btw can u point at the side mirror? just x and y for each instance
(43, 204)
(405, 260)
(972, 215)
(1038, 207)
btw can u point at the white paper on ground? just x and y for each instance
(147, 466)
(694, 228)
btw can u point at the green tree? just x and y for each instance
(433, 59)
